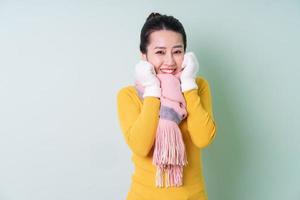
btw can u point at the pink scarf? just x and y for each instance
(169, 154)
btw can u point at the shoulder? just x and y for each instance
(127, 96)
(128, 91)
(202, 83)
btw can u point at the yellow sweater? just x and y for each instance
(138, 122)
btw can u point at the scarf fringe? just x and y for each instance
(169, 155)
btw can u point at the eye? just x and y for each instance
(178, 52)
(159, 52)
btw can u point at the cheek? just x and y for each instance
(156, 66)
(179, 61)
(156, 62)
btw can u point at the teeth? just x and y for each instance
(168, 70)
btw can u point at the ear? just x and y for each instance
(143, 57)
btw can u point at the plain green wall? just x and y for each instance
(62, 63)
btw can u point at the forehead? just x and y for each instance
(165, 38)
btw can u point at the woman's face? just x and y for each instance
(165, 51)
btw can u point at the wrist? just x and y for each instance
(188, 84)
(154, 91)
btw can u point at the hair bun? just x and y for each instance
(152, 15)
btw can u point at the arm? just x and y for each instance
(138, 125)
(200, 120)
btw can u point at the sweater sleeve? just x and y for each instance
(200, 120)
(138, 124)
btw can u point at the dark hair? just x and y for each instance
(155, 22)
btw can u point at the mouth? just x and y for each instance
(168, 70)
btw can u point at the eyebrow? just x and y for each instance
(176, 46)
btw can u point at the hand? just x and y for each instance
(145, 74)
(188, 75)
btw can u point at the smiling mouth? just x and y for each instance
(168, 71)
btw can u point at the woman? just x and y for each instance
(166, 117)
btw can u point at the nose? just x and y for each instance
(169, 60)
